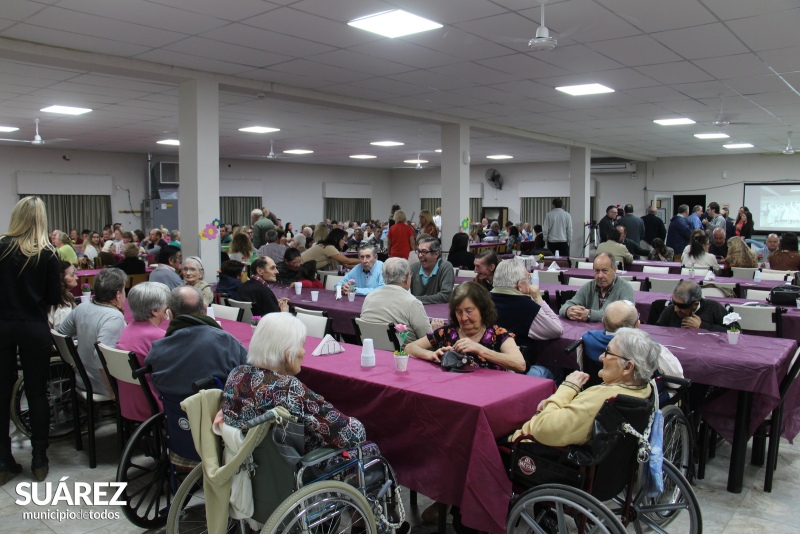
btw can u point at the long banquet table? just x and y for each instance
(438, 430)
(745, 283)
(341, 311)
(753, 370)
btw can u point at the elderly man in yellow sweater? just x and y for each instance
(565, 418)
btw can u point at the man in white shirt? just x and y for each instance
(557, 229)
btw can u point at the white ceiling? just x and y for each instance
(665, 59)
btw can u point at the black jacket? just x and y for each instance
(653, 227)
(711, 313)
(28, 290)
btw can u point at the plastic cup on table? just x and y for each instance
(367, 353)
(351, 296)
(314, 296)
(298, 288)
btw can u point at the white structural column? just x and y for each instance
(455, 180)
(199, 170)
(580, 160)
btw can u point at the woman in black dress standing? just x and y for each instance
(30, 283)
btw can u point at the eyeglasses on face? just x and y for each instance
(422, 252)
(608, 352)
(683, 306)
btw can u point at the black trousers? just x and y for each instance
(32, 341)
(562, 247)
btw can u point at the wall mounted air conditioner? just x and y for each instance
(620, 167)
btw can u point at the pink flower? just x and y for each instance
(211, 231)
(401, 328)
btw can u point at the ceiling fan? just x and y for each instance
(37, 139)
(271, 155)
(788, 150)
(417, 163)
(543, 40)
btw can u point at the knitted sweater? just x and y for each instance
(587, 297)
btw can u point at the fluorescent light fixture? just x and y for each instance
(298, 151)
(66, 110)
(719, 135)
(438, 150)
(7, 129)
(673, 122)
(174, 142)
(587, 89)
(259, 129)
(415, 161)
(394, 23)
(500, 156)
(387, 143)
(363, 156)
(738, 145)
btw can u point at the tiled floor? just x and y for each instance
(752, 511)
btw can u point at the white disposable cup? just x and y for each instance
(351, 296)
(558, 255)
(298, 288)
(210, 312)
(314, 296)
(401, 363)
(733, 337)
(368, 347)
(367, 360)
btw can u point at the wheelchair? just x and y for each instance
(679, 433)
(597, 487)
(325, 491)
(59, 397)
(158, 455)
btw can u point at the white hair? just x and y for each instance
(509, 273)
(196, 260)
(256, 213)
(147, 297)
(276, 334)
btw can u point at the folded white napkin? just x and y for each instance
(553, 267)
(710, 276)
(328, 345)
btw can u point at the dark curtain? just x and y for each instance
(348, 209)
(430, 204)
(236, 210)
(475, 208)
(78, 212)
(533, 209)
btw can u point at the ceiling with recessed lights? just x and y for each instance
(706, 60)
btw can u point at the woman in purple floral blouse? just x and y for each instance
(472, 309)
(276, 353)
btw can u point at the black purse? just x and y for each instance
(458, 363)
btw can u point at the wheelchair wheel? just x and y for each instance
(145, 467)
(678, 440)
(658, 512)
(322, 507)
(555, 508)
(59, 397)
(187, 514)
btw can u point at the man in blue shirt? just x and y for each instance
(694, 218)
(367, 275)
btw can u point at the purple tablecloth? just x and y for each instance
(438, 430)
(342, 311)
(757, 364)
(745, 283)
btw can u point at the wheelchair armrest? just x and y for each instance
(572, 346)
(674, 380)
(319, 455)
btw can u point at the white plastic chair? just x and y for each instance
(585, 265)
(627, 277)
(331, 281)
(574, 281)
(464, 273)
(757, 294)
(636, 284)
(316, 325)
(712, 292)
(654, 269)
(759, 318)
(663, 285)
(247, 314)
(743, 272)
(230, 313)
(550, 277)
(774, 275)
(318, 313)
(382, 334)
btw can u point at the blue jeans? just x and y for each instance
(544, 371)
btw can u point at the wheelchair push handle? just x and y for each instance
(266, 417)
(573, 346)
(212, 382)
(674, 380)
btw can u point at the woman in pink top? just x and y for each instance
(148, 302)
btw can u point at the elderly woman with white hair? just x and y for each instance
(148, 302)
(566, 417)
(192, 272)
(268, 380)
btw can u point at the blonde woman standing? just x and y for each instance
(30, 283)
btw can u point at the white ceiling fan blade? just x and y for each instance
(16, 140)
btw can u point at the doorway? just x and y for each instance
(689, 200)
